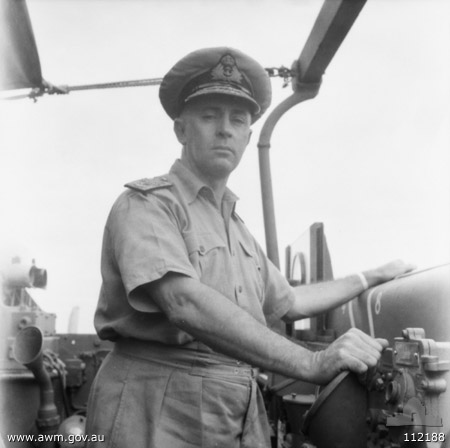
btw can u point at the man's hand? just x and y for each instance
(354, 350)
(387, 272)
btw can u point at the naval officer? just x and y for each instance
(188, 293)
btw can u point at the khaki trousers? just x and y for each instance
(155, 396)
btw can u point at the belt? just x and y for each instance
(195, 357)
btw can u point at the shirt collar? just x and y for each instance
(191, 185)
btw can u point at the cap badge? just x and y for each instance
(226, 70)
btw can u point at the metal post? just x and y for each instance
(330, 28)
(304, 92)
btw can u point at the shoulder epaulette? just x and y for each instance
(146, 184)
(238, 217)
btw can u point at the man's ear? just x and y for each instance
(250, 132)
(179, 126)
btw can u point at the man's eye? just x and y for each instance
(239, 120)
(209, 116)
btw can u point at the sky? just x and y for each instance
(369, 156)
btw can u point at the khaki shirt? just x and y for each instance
(180, 228)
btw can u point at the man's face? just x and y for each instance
(214, 131)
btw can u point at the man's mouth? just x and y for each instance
(222, 148)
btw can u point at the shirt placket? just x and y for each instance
(230, 228)
(234, 252)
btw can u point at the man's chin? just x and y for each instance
(222, 168)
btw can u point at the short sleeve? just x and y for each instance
(146, 243)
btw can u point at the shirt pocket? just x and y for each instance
(208, 254)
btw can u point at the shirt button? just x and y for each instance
(202, 249)
(239, 288)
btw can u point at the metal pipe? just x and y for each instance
(19, 275)
(27, 350)
(334, 21)
(302, 93)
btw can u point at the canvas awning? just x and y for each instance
(20, 67)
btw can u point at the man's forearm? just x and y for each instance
(320, 297)
(222, 325)
(216, 321)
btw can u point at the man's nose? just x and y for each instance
(224, 126)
